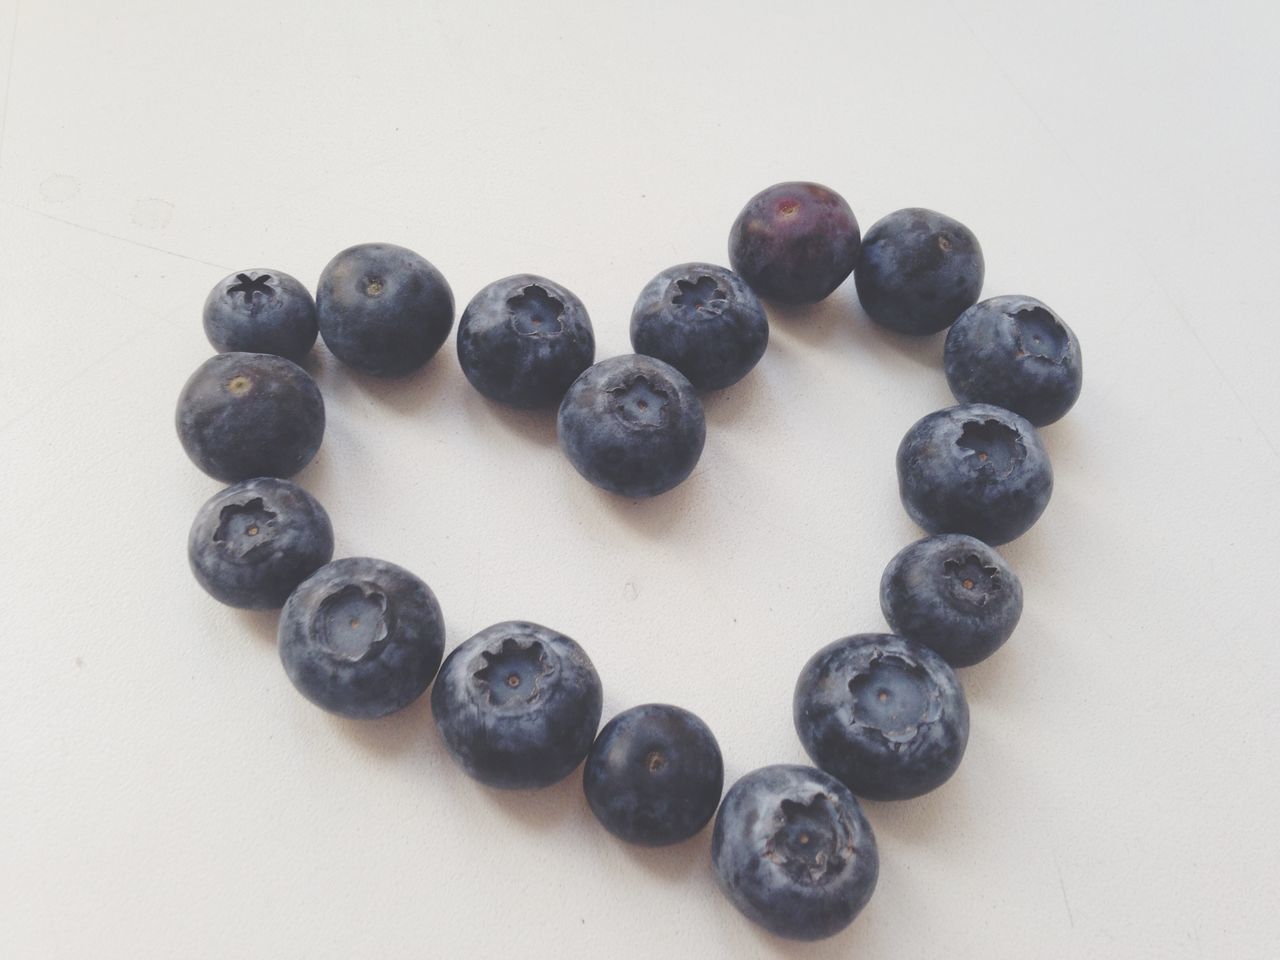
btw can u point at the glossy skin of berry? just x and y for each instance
(244, 415)
(654, 775)
(703, 320)
(254, 542)
(975, 469)
(793, 851)
(883, 715)
(383, 309)
(517, 705)
(918, 271)
(794, 243)
(523, 340)
(1016, 353)
(261, 311)
(361, 637)
(632, 425)
(954, 594)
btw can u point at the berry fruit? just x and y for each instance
(523, 340)
(704, 321)
(793, 851)
(261, 311)
(517, 705)
(918, 271)
(794, 243)
(254, 542)
(243, 415)
(882, 714)
(383, 309)
(654, 775)
(361, 637)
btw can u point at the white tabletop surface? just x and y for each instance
(167, 793)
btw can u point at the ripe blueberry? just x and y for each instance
(243, 415)
(884, 715)
(383, 309)
(261, 311)
(1016, 353)
(632, 425)
(918, 271)
(517, 705)
(361, 637)
(254, 542)
(654, 775)
(954, 594)
(793, 851)
(704, 321)
(523, 340)
(794, 243)
(974, 469)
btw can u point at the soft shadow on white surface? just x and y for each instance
(536, 426)
(403, 732)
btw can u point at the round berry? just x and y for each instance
(383, 309)
(704, 321)
(254, 542)
(974, 469)
(361, 637)
(882, 714)
(243, 415)
(261, 311)
(954, 594)
(523, 340)
(793, 851)
(654, 775)
(517, 705)
(1016, 353)
(794, 243)
(918, 271)
(632, 425)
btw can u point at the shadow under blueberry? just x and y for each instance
(736, 403)
(541, 808)
(654, 517)
(406, 396)
(537, 426)
(818, 324)
(400, 733)
(262, 624)
(921, 822)
(672, 864)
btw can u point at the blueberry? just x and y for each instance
(884, 715)
(261, 311)
(518, 705)
(794, 243)
(255, 541)
(383, 309)
(632, 425)
(704, 321)
(954, 594)
(975, 469)
(361, 637)
(1016, 353)
(918, 271)
(793, 851)
(654, 775)
(523, 340)
(244, 415)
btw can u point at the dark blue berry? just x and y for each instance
(383, 309)
(654, 775)
(254, 542)
(1016, 353)
(884, 715)
(794, 243)
(632, 425)
(517, 705)
(523, 340)
(261, 311)
(704, 321)
(793, 851)
(954, 594)
(918, 271)
(243, 415)
(974, 469)
(361, 637)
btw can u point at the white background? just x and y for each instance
(167, 793)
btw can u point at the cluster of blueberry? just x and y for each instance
(883, 716)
